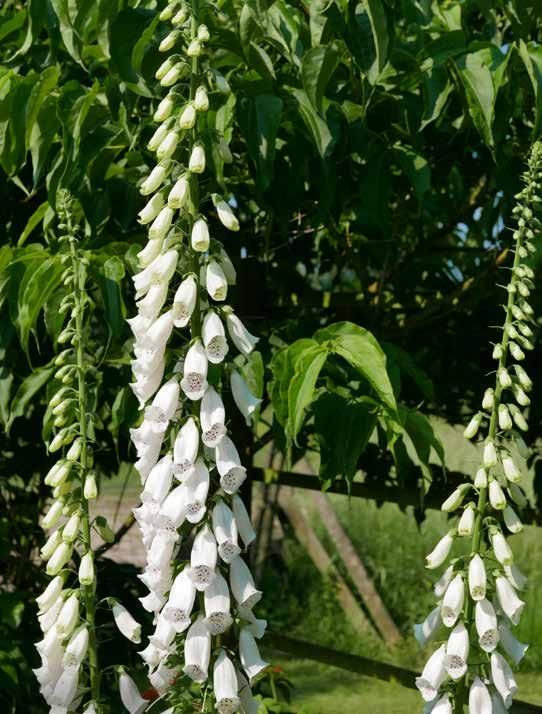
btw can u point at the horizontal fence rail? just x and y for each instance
(363, 665)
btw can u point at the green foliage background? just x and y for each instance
(377, 148)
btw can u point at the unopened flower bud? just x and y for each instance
(169, 42)
(505, 420)
(86, 569)
(90, 490)
(480, 480)
(194, 49)
(504, 379)
(510, 470)
(456, 498)
(201, 100)
(472, 427)
(490, 455)
(187, 120)
(496, 495)
(488, 400)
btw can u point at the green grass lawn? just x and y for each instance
(319, 689)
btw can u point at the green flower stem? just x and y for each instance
(195, 323)
(89, 591)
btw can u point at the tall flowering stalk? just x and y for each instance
(67, 606)
(478, 598)
(202, 598)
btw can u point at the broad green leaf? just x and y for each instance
(13, 156)
(317, 20)
(317, 67)
(45, 84)
(260, 61)
(415, 167)
(368, 37)
(436, 90)
(261, 130)
(531, 54)
(317, 127)
(421, 433)
(125, 33)
(26, 391)
(43, 133)
(343, 427)
(34, 220)
(12, 23)
(362, 351)
(408, 366)
(70, 38)
(282, 368)
(379, 26)
(302, 385)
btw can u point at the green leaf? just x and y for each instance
(261, 134)
(301, 388)
(317, 127)
(481, 74)
(47, 81)
(26, 391)
(423, 438)
(282, 368)
(531, 54)
(436, 90)
(343, 427)
(317, 67)
(12, 23)
(361, 350)
(43, 133)
(408, 366)
(109, 280)
(33, 222)
(70, 38)
(124, 35)
(379, 27)
(415, 167)
(260, 61)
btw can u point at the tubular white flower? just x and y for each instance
(242, 518)
(215, 281)
(187, 120)
(249, 654)
(240, 336)
(86, 569)
(197, 651)
(200, 238)
(201, 100)
(214, 338)
(158, 481)
(443, 706)
(164, 633)
(477, 578)
(59, 558)
(503, 679)
(51, 593)
(513, 648)
(156, 178)
(196, 163)
(242, 584)
(225, 214)
(425, 630)
(479, 698)
(510, 470)
(178, 196)
(77, 647)
(452, 603)
(173, 509)
(225, 530)
(442, 583)
(512, 520)
(225, 685)
(203, 558)
(130, 696)
(510, 603)
(212, 418)
(440, 553)
(127, 624)
(496, 495)
(185, 450)
(501, 548)
(465, 524)
(48, 618)
(457, 652)
(515, 576)
(164, 406)
(65, 688)
(255, 625)
(161, 224)
(68, 616)
(490, 455)
(228, 463)
(246, 402)
(194, 383)
(433, 675)
(151, 209)
(184, 301)
(486, 625)
(217, 606)
(197, 488)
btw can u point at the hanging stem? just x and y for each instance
(88, 590)
(195, 324)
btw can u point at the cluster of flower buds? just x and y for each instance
(478, 600)
(64, 614)
(190, 468)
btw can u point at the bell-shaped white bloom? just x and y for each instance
(217, 606)
(200, 236)
(156, 178)
(173, 510)
(442, 583)
(68, 616)
(161, 270)
(228, 463)
(452, 603)
(180, 602)
(486, 625)
(153, 602)
(433, 674)
(180, 17)
(194, 49)
(172, 76)
(477, 578)
(53, 515)
(164, 406)
(158, 137)
(455, 499)
(52, 543)
(224, 151)
(457, 652)
(240, 336)
(127, 624)
(151, 655)
(501, 548)
(425, 630)
(167, 44)
(158, 481)
(513, 648)
(503, 678)
(255, 625)
(203, 558)
(465, 524)
(225, 685)
(496, 495)
(242, 584)
(60, 557)
(517, 495)
(196, 163)
(203, 33)
(161, 224)
(214, 338)
(472, 427)
(151, 305)
(225, 214)
(179, 194)
(201, 100)
(490, 455)
(65, 688)
(249, 705)
(443, 706)
(76, 649)
(505, 420)
(479, 698)
(164, 633)
(194, 383)
(164, 110)
(441, 551)
(509, 601)
(511, 520)
(86, 569)
(249, 654)
(130, 696)
(197, 488)
(187, 120)
(515, 576)
(157, 579)
(161, 549)
(225, 530)
(246, 402)
(185, 450)
(242, 518)
(215, 281)
(151, 209)
(197, 651)
(184, 301)
(158, 333)
(48, 619)
(212, 417)
(162, 679)
(50, 595)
